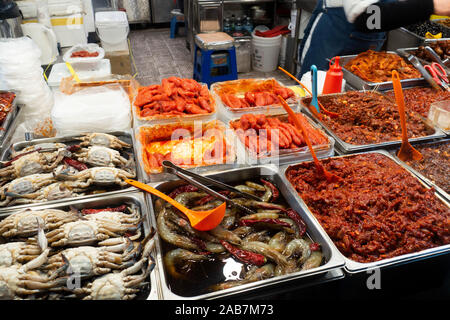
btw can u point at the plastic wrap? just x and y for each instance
(95, 109)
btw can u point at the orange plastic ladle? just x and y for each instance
(328, 175)
(313, 110)
(200, 220)
(406, 152)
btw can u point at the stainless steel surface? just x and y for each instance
(138, 11)
(243, 54)
(10, 28)
(361, 84)
(343, 147)
(334, 260)
(129, 198)
(123, 135)
(356, 267)
(160, 10)
(421, 176)
(207, 16)
(403, 38)
(5, 141)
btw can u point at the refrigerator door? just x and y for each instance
(161, 10)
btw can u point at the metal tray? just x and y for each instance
(422, 176)
(403, 38)
(123, 135)
(333, 258)
(422, 61)
(5, 141)
(361, 84)
(12, 114)
(136, 198)
(285, 155)
(356, 267)
(343, 147)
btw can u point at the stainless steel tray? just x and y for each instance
(422, 61)
(343, 147)
(403, 38)
(136, 198)
(333, 258)
(422, 176)
(12, 114)
(360, 84)
(9, 133)
(356, 267)
(123, 135)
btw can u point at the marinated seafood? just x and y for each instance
(380, 211)
(369, 118)
(376, 66)
(116, 268)
(84, 54)
(6, 100)
(435, 164)
(51, 171)
(254, 246)
(442, 48)
(420, 99)
(263, 135)
(185, 144)
(174, 97)
(249, 93)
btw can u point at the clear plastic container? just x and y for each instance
(226, 113)
(85, 63)
(138, 120)
(439, 115)
(284, 156)
(163, 132)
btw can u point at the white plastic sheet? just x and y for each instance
(96, 109)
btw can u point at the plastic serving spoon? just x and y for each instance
(314, 101)
(406, 152)
(200, 220)
(328, 113)
(328, 175)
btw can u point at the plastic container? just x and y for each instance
(112, 29)
(163, 132)
(226, 113)
(439, 115)
(86, 63)
(284, 156)
(265, 52)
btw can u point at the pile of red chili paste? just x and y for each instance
(379, 211)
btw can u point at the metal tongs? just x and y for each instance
(436, 57)
(200, 181)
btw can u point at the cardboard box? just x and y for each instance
(120, 62)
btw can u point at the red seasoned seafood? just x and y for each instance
(261, 134)
(194, 147)
(6, 100)
(376, 66)
(380, 210)
(84, 54)
(174, 96)
(247, 93)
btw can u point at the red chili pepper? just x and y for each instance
(243, 255)
(250, 222)
(275, 192)
(185, 188)
(74, 163)
(291, 213)
(20, 156)
(73, 148)
(121, 208)
(314, 246)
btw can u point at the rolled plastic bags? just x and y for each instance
(95, 109)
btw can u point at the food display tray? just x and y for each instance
(422, 176)
(123, 135)
(163, 176)
(360, 84)
(343, 147)
(326, 272)
(352, 266)
(135, 198)
(226, 113)
(285, 155)
(422, 61)
(403, 38)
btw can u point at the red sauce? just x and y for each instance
(380, 211)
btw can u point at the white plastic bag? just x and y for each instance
(96, 109)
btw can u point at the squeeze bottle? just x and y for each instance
(333, 79)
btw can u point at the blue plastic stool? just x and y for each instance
(174, 24)
(203, 66)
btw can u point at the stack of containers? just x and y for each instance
(21, 72)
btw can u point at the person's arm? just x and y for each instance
(392, 15)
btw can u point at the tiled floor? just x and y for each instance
(157, 56)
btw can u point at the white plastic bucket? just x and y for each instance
(112, 29)
(265, 52)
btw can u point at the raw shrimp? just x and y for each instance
(178, 256)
